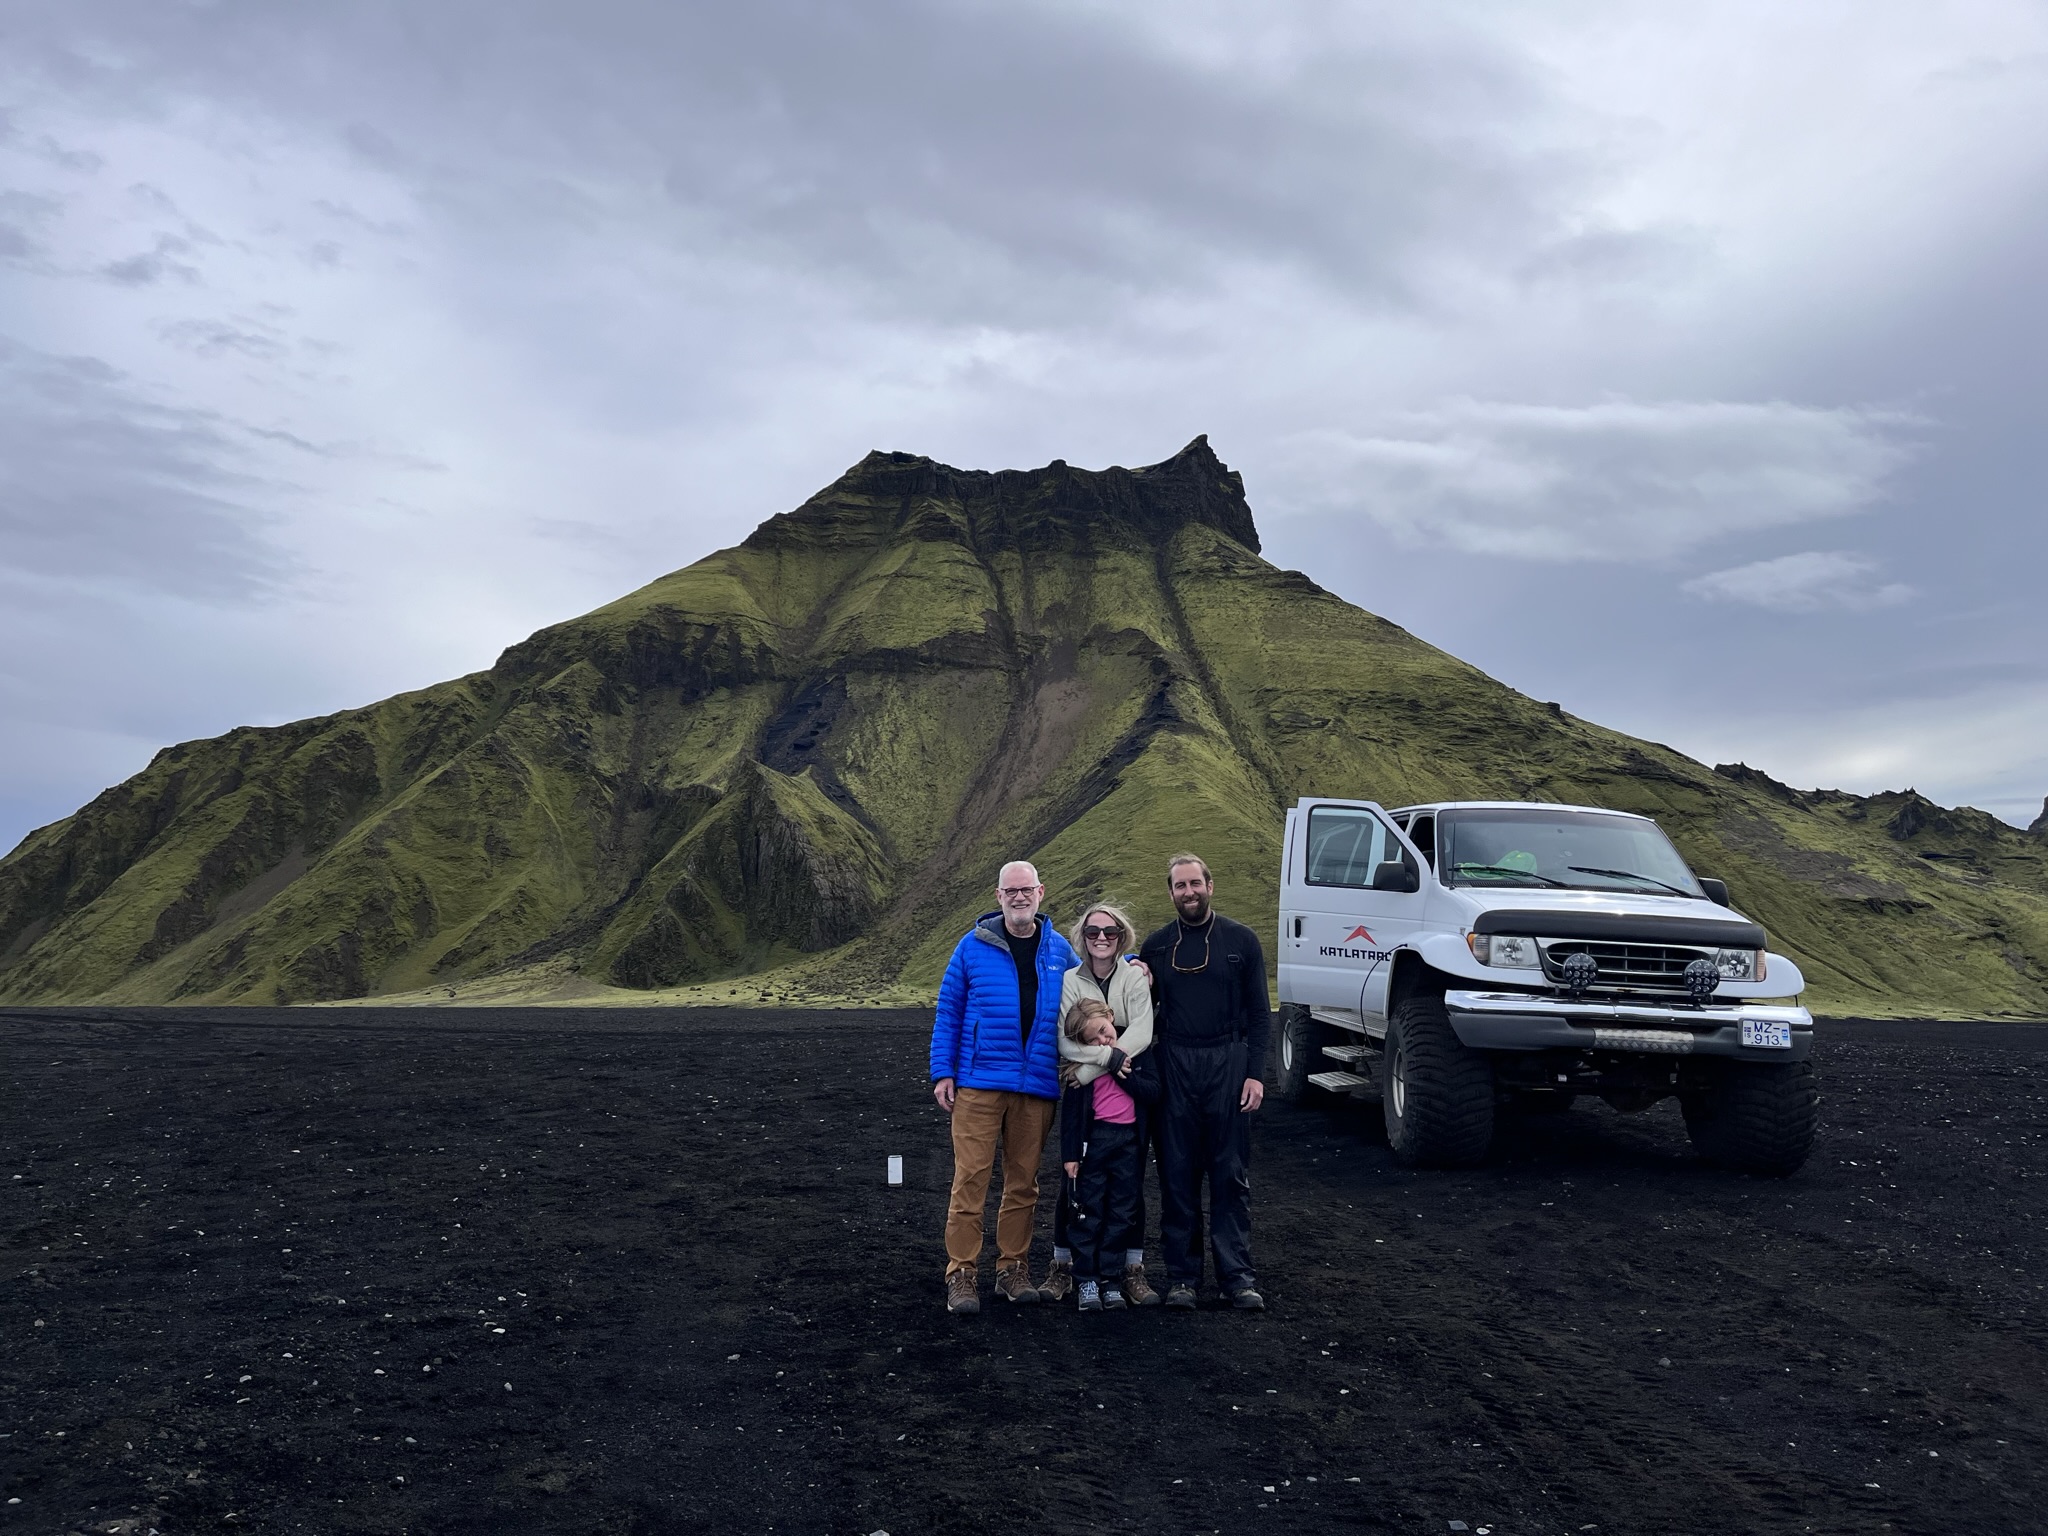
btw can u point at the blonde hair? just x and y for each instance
(1186, 858)
(1076, 1022)
(1109, 910)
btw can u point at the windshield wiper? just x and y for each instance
(1509, 869)
(1626, 874)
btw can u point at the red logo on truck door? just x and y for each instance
(1343, 950)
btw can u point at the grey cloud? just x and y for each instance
(135, 271)
(293, 440)
(82, 160)
(1984, 70)
(374, 145)
(350, 215)
(212, 338)
(154, 198)
(1607, 257)
(151, 266)
(1617, 481)
(99, 482)
(46, 148)
(1017, 166)
(359, 452)
(33, 206)
(21, 216)
(1802, 583)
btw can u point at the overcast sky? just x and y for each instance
(1684, 365)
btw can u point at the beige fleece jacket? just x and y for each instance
(1130, 998)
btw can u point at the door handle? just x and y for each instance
(1297, 927)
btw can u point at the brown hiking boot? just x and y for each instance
(1013, 1282)
(1059, 1281)
(963, 1291)
(1137, 1288)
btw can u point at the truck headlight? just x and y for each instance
(1503, 949)
(1739, 964)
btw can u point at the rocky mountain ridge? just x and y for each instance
(793, 767)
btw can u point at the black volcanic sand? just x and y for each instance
(473, 1271)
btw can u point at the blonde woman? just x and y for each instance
(1102, 937)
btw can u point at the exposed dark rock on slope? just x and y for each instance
(810, 752)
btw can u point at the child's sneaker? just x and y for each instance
(1091, 1296)
(1112, 1299)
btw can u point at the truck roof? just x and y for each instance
(1510, 805)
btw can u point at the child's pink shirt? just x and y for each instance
(1112, 1103)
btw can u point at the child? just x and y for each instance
(1099, 1142)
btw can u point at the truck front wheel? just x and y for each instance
(1754, 1117)
(1300, 1049)
(1436, 1094)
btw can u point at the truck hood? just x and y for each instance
(1607, 914)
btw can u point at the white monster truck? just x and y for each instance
(1463, 957)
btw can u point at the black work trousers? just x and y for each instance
(1204, 1135)
(1106, 1195)
(1148, 1146)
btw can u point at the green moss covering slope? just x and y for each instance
(792, 769)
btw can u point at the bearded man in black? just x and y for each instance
(1212, 1022)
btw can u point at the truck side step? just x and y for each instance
(1346, 1053)
(1340, 1082)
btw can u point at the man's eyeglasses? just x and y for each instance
(1102, 933)
(1020, 890)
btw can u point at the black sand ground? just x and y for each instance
(605, 1272)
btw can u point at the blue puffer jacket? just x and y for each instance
(975, 1037)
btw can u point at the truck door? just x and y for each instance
(1339, 933)
(1289, 952)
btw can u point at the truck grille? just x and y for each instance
(1625, 967)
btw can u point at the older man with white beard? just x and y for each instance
(995, 1070)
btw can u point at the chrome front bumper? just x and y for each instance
(1521, 1021)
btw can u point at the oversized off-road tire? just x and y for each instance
(1754, 1117)
(1297, 1052)
(1437, 1095)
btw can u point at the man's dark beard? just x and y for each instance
(1201, 912)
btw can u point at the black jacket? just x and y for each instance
(1077, 1106)
(1221, 999)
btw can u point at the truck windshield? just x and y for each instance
(1540, 847)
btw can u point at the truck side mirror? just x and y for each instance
(1396, 876)
(1717, 890)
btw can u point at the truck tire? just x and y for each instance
(1298, 1050)
(1755, 1117)
(1437, 1095)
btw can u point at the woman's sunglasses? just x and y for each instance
(1102, 933)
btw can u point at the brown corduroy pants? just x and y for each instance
(981, 1116)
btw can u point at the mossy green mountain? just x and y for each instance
(803, 759)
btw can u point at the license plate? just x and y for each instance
(1768, 1035)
